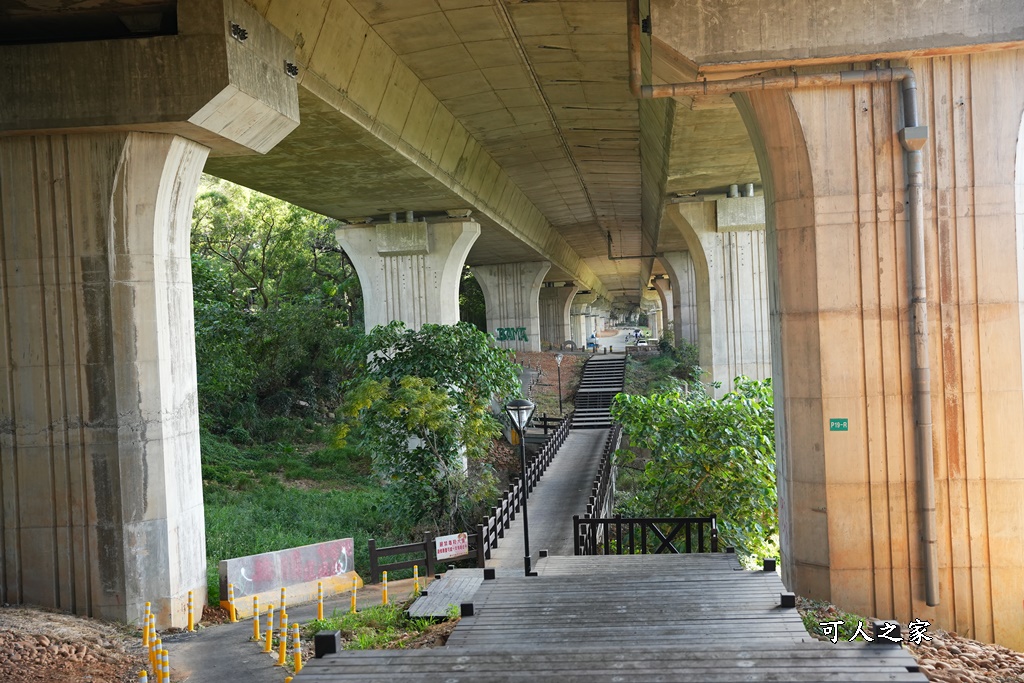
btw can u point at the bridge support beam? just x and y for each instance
(726, 266)
(680, 292)
(102, 495)
(849, 503)
(409, 271)
(663, 287)
(512, 297)
(578, 315)
(555, 303)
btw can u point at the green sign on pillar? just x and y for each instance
(839, 424)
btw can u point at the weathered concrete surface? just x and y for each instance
(102, 504)
(301, 571)
(836, 211)
(752, 34)
(730, 291)
(578, 316)
(555, 303)
(511, 296)
(409, 271)
(231, 96)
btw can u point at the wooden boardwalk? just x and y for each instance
(639, 618)
(455, 587)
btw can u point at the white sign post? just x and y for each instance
(455, 545)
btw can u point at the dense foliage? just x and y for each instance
(702, 455)
(275, 297)
(424, 406)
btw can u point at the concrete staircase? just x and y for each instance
(603, 377)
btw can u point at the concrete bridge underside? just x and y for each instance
(510, 131)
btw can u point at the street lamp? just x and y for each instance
(558, 362)
(519, 411)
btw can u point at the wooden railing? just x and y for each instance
(644, 535)
(425, 552)
(489, 531)
(502, 515)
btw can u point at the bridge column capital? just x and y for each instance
(512, 297)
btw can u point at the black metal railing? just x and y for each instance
(501, 517)
(644, 535)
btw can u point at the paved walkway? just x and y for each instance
(562, 492)
(226, 653)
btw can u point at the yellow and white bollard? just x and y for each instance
(284, 609)
(145, 626)
(231, 603)
(296, 648)
(269, 631)
(154, 657)
(143, 677)
(320, 600)
(354, 586)
(191, 614)
(165, 671)
(255, 618)
(282, 646)
(416, 579)
(384, 588)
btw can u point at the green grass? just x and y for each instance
(269, 496)
(817, 612)
(371, 628)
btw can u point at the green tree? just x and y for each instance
(424, 410)
(707, 456)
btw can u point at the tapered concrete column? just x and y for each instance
(650, 303)
(849, 504)
(727, 260)
(578, 313)
(102, 492)
(683, 300)
(555, 303)
(663, 288)
(409, 271)
(511, 294)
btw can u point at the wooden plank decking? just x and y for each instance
(455, 587)
(639, 618)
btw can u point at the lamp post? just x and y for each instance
(519, 411)
(558, 362)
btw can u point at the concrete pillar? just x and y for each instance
(650, 303)
(554, 304)
(511, 294)
(578, 313)
(726, 257)
(682, 281)
(837, 211)
(101, 498)
(409, 271)
(663, 288)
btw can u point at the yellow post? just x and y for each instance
(155, 658)
(296, 647)
(191, 614)
(384, 589)
(354, 586)
(165, 672)
(282, 634)
(416, 579)
(284, 608)
(231, 603)
(269, 631)
(255, 618)
(143, 677)
(282, 647)
(320, 600)
(145, 626)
